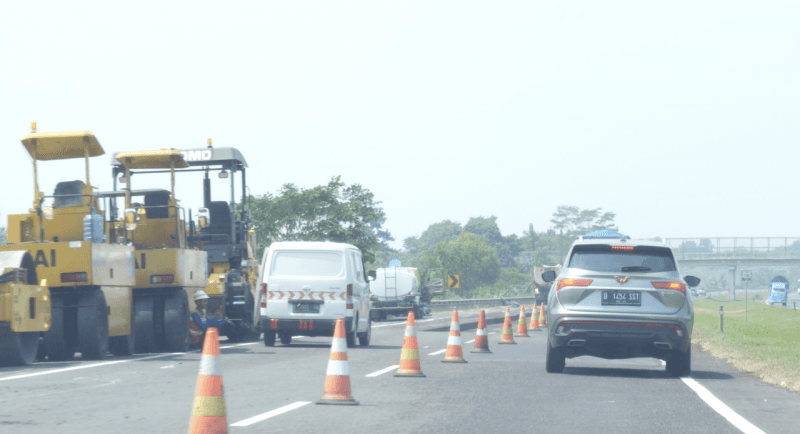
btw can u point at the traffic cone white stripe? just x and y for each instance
(454, 340)
(455, 326)
(481, 332)
(209, 365)
(411, 331)
(339, 345)
(338, 367)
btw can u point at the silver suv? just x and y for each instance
(618, 298)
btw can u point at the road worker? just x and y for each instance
(198, 323)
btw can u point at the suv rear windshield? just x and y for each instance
(307, 264)
(644, 259)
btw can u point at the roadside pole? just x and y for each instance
(745, 279)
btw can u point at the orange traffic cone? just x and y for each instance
(542, 319)
(534, 325)
(454, 353)
(409, 355)
(507, 337)
(208, 410)
(522, 329)
(337, 382)
(481, 337)
(535, 320)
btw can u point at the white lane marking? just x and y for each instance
(269, 414)
(113, 362)
(383, 371)
(222, 347)
(437, 352)
(93, 365)
(720, 407)
(469, 342)
(492, 333)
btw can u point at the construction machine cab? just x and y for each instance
(71, 201)
(159, 222)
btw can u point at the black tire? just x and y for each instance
(680, 365)
(269, 338)
(364, 338)
(145, 327)
(176, 322)
(417, 313)
(555, 359)
(93, 325)
(61, 341)
(124, 345)
(286, 338)
(18, 348)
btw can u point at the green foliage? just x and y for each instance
(435, 234)
(333, 212)
(470, 256)
(575, 221)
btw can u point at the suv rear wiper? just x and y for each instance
(636, 268)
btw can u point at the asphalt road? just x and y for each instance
(503, 391)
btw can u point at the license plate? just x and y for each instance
(622, 298)
(306, 308)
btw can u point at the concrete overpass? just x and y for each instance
(736, 254)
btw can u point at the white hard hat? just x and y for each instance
(200, 295)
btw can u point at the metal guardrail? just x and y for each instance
(478, 302)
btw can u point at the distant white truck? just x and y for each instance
(395, 291)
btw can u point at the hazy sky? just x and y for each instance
(681, 117)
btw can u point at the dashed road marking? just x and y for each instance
(437, 352)
(272, 413)
(383, 371)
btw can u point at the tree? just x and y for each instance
(507, 247)
(435, 234)
(575, 221)
(470, 256)
(333, 212)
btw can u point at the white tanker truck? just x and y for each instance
(396, 291)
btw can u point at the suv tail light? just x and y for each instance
(572, 282)
(678, 286)
(263, 295)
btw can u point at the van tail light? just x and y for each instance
(677, 286)
(263, 295)
(349, 295)
(572, 282)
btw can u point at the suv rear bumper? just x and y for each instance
(618, 339)
(305, 327)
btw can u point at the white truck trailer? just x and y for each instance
(395, 291)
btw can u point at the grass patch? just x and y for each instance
(766, 344)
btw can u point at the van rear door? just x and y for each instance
(306, 284)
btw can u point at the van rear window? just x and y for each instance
(644, 259)
(307, 264)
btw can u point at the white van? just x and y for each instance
(306, 286)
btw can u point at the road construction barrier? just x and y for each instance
(535, 319)
(481, 336)
(208, 411)
(337, 380)
(542, 319)
(454, 353)
(409, 355)
(522, 329)
(507, 337)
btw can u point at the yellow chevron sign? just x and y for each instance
(453, 281)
